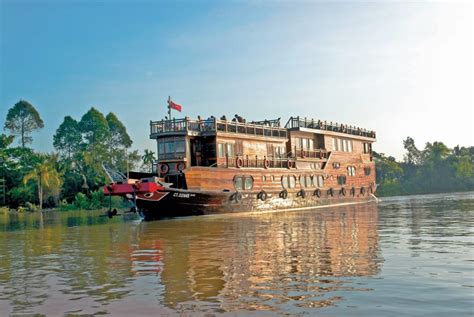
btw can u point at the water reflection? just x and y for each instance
(286, 262)
(262, 262)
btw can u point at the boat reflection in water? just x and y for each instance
(283, 262)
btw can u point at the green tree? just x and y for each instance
(413, 155)
(47, 178)
(118, 133)
(22, 120)
(67, 139)
(95, 130)
(148, 159)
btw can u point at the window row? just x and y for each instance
(224, 149)
(303, 143)
(171, 145)
(243, 182)
(289, 181)
(343, 145)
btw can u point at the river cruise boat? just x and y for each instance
(212, 166)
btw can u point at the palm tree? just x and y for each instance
(148, 159)
(45, 175)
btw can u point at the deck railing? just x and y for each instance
(214, 125)
(297, 122)
(316, 154)
(255, 161)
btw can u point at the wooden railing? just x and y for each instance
(255, 162)
(214, 125)
(297, 122)
(314, 154)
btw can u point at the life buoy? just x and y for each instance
(330, 192)
(164, 168)
(239, 162)
(342, 191)
(266, 163)
(317, 193)
(237, 197)
(262, 195)
(283, 194)
(179, 166)
(362, 190)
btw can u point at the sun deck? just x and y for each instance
(214, 126)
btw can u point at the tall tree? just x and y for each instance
(67, 139)
(46, 177)
(413, 155)
(22, 120)
(95, 129)
(148, 159)
(118, 133)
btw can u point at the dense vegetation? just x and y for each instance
(434, 169)
(72, 176)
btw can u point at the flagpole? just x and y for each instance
(169, 108)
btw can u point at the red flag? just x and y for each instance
(175, 106)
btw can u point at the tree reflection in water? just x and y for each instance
(283, 262)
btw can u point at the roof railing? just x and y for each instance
(215, 125)
(297, 122)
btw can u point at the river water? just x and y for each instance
(409, 256)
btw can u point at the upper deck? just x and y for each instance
(214, 126)
(324, 127)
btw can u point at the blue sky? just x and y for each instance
(400, 68)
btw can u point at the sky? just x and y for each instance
(399, 68)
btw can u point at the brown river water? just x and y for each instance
(405, 256)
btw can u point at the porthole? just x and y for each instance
(292, 181)
(341, 179)
(243, 182)
(351, 170)
(148, 195)
(336, 165)
(264, 178)
(238, 183)
(272, 178)
(248, 183)
(302, 181)
(284, 181)
(320, 181)
(309, 183)
(288, 181)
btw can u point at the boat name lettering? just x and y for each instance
(183, 195)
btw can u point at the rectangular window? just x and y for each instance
(339, 145)
(304, 143)
(161, 147)
(221, 150)
(169, 147)
(366, 148)
(349, 143)
(230, 150)
(179, 146)
(334, 144)
(311, 144)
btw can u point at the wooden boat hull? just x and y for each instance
(178, 203)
